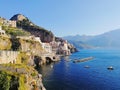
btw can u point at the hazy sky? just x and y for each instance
(67, 17)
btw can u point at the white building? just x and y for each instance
(47, 47)
(37, 39)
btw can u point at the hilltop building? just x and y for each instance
(5, 22)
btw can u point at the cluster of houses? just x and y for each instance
(60, 48)
(5, 22)
(52, 47)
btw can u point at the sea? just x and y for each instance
(89, 75)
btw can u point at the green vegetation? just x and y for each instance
(19, 66)
(12, 80)
(0, 24)
(27, 24)
(23, 58)
(15, 31)
(22, 83)
(34, 29)
(15, 44)
(5, 80)
(33, 74)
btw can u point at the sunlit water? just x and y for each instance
(66, 75)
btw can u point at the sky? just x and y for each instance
(67, 17)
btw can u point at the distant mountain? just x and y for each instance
(82, 38)
(80, 44)
(106, 40)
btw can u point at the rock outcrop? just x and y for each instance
(18, 17)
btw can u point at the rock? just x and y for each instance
(18, 17)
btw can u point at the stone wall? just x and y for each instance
(8, 56)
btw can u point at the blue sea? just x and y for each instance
(66, 75)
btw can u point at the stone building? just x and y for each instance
(8, 56)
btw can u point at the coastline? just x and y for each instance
(24, 44)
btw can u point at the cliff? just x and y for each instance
(45, 35)
(24, 23)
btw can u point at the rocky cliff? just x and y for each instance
(24, 23)
(45, 35)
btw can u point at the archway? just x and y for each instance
(48, 60)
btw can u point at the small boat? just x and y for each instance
(110, 68)
(87, 66)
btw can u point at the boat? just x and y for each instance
(110, 68)
(83, 59)
(86, 66)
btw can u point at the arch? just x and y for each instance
(37, 60)
(48, 60)
(54, 57)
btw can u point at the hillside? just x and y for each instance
(45, 35)
(105, 40)
(24, 23)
